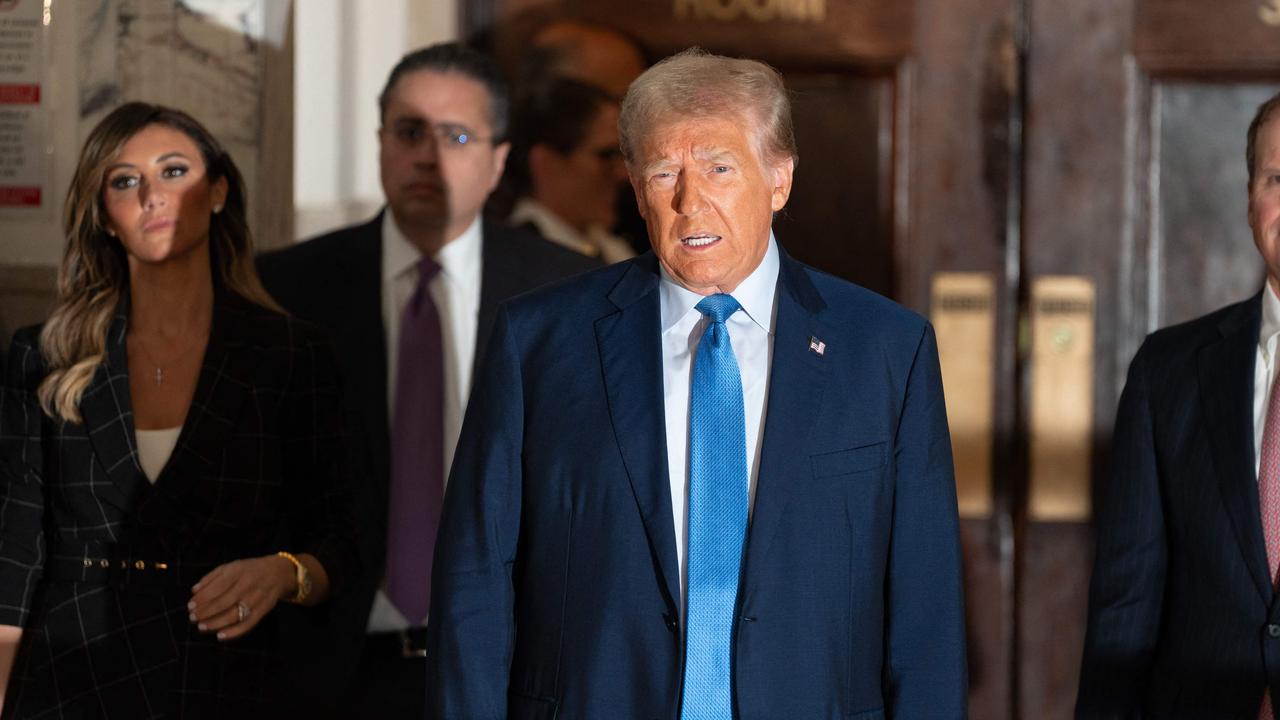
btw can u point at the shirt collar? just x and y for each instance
(1270, 315)
(528, 210)
(755, 294)
(399, 255)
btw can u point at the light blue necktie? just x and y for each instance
(717, 516)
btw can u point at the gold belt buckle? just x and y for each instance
(124, 564)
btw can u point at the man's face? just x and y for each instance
(1264, 198)
(582, 186)
(708, 198)
(433, 183)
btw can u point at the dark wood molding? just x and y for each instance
(1192, 37)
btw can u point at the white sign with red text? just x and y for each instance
(22, 118)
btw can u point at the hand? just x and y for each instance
(255, 583)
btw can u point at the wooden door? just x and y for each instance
(1135, 179)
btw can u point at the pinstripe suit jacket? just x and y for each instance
(258, 467)
(1181, 608)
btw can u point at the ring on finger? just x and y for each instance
(242, 612)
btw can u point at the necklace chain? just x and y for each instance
(159, 374)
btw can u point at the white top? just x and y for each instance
(456, 293)
(597, 242)
(1264, 370)
(154, 449)
(751, 334)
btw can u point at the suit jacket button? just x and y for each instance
(1273, 630)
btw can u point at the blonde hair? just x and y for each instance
(94, 275)
(695, 83)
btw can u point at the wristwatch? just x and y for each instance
(304, 578)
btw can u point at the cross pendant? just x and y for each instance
(159, 376)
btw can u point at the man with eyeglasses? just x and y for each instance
(410, 297)
(567, 168)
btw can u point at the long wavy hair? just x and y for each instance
(94, 275)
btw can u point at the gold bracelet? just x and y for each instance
(303, 578)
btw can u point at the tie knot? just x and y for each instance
(718, 307)
(427, 269)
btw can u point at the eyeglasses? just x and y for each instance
(412, 133)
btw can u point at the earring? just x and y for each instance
(217, 209)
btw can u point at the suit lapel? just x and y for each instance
(631, 354)
(796, 381)
(1226, 391)
(107, 412)
(226, 375)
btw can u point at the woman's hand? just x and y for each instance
(232, 598)
(10, 636)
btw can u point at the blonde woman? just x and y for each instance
(170, 448)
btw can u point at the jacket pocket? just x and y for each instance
(877, 714)
(847, 462)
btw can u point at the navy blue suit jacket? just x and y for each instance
(556, 581)
(1180, 603)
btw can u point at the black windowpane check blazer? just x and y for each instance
(259, 467)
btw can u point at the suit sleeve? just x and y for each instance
(1127, 589)
(316, 464)
(471, 626)
(22, 544)
(925, 644)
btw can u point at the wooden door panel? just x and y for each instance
(1074, 214)
(838, 217)
(1202, 255)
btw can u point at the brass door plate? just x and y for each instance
(1062, 349)
(963, 313)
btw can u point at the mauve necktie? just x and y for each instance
(717, 516)
(1269, 502)
(417, 453)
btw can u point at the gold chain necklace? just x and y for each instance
(159, 374)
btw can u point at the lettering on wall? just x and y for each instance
(799, 11)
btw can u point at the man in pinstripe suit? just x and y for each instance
(1184, 620)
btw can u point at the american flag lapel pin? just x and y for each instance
(817, 345)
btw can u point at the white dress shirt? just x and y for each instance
(596, 242)
(1264, 370)
(751, 334)
(456, 293)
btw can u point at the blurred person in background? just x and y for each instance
(566, 167)
(411, 296)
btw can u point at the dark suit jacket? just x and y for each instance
(556, 582)
(335, 281)
(1180, 603)
(257, 469)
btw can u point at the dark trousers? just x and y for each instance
(386, 685)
